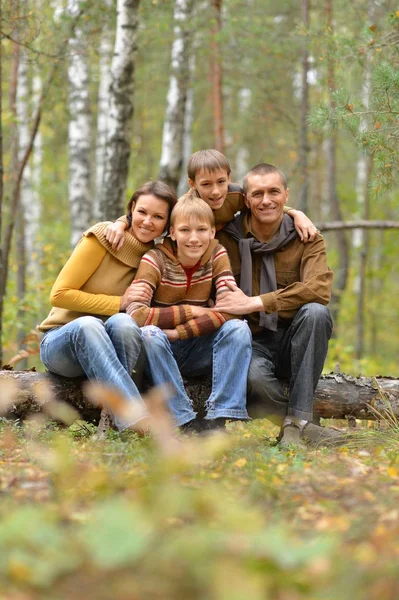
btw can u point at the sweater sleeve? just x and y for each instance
(168, 317)
(83, 262)
(123, 219)
(314, 285)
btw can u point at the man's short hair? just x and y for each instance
(263, 169)
(191, 207)
(207, 160)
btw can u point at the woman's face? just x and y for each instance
(149, 218)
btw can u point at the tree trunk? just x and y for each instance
(173, 129)
(187, 136)
(216, 75)
(337, 396)
(2, 264)
(105, 52)
(120, 111)
(303, 203)
(79, 131)
(341, 272)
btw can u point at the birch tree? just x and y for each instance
(120, 110)
(216, 75)
(303, 134)
(79, 131)
(105, 53)
(173, 129)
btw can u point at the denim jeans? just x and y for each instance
(226, 354)
(296, 352)
(106, 352)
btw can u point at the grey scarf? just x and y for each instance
(246, 246)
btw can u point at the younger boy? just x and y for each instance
(181, 335)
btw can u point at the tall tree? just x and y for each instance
(173, 129)
(303, 133)
(120, 112)
(79, 131)
(216, 75)
(341, 273)
(105, 52)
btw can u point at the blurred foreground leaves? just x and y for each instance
(228, 517)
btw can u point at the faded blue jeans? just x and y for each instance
(103, 351)
(225, 354)
(295, 352)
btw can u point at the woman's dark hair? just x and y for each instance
(159, 189)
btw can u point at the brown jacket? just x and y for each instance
(301, 271)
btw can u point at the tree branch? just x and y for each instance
(358, 224)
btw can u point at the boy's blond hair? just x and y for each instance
(191, 207)
(207, 160)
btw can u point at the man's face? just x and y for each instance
(212, 186)
(266, 197)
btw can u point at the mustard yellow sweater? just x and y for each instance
(94, 278)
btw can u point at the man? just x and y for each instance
(285, 288)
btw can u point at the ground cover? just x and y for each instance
(229, 517)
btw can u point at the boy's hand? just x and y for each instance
(236, 302)
(171, 334)
(138, 291)
(115, 234)
(304, 226)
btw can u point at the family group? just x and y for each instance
(226, 281)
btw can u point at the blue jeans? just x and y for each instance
(295, 352)
(106, 352)
(226, 354)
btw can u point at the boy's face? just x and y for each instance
(192, 237)
(212, 186)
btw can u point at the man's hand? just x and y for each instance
(138, 291)
(171, 334)
(304, 226)
(198, 311)
(115, 234)
(236, 302)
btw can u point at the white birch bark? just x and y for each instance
(173, 129)
(79, 132)
(37, 159)
(182, 187)
(105, 52)
(28, 200)
(120, 110)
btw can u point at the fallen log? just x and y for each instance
(338, 395)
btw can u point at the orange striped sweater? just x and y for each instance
(174, 293)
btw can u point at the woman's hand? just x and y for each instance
(138, 291)
(115, 234)
(304, 226)
(171, 334)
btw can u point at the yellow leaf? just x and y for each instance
(392, 471)
(377, 125)
(397, 13)
(241, 462)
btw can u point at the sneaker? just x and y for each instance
(194, 426)
(214, 424)
(316, 435)
(291, 437)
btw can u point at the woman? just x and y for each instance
(86, 332)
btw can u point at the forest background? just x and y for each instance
(101, 96)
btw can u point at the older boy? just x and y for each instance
(181, 335)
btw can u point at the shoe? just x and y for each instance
(194, 426)
(315, 435)
(291, 437)
(214, 424)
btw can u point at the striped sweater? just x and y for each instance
(175, 290)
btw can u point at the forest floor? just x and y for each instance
(230, 517)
